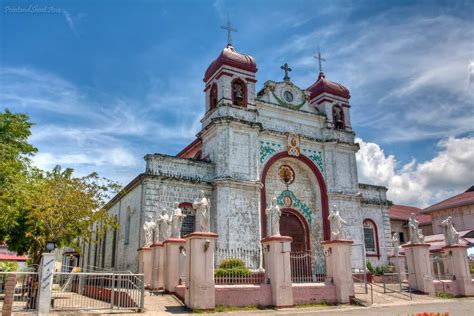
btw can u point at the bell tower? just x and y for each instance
(230, 79)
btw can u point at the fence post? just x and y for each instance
(420, 275)
(157, 279)
(278, 269)
(112, 292)
(9, 294)
(339, 267)
(45, 283)
(460, 268)
(200, 292)
(145, 261)
(172, 253)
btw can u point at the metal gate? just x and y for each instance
(97, 291)
(18, 290)
(359, 270)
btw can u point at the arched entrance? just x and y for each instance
(320, 184)
(294, 225)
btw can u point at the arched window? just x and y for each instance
(371, 239)
(338, 117)
(213, 97)
(189, 220)
(239, 93)
(128, 218)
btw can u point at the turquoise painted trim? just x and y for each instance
(268, 149)
(303, 208)
(316, 157)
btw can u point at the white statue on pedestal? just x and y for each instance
(395, 243)
(451, 236)
(164, 222)
(148, 229)
(336, 224)
(177, 221)
(202, 207)
(416, 237)
(273, 214)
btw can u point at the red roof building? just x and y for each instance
(399, 215)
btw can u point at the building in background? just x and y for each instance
(399, 215)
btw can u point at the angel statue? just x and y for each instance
(416, 237)
(273, 214)
(451, 236)
(336, 224)
(149, 228)
(177, 221)
(395, 243)
(202, 207)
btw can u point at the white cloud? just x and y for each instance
(420, 184)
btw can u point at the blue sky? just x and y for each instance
(108, 81)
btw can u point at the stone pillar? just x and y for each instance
(339, 267)
(45, 283)
(158, 262)
(171, 271)
(460, 268)
(200, 292)
(278, 270)
(420, 275)
(9, 288)
(145, 261)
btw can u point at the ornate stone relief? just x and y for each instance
(293, 144)
(288, 199)
(268, 149)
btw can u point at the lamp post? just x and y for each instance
(50, 246)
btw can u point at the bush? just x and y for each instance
(232, 267)
(232, 263)
(370, 267)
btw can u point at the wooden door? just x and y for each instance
(290, 225)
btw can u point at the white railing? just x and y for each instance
(250, 256)
(94, 291)
(307, 268)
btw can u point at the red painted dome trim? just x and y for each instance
(230, 57)
(322, 85)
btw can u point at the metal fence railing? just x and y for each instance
(307, 268)
(95, 291)
(238, 266)
(251, 257)
(442, 266)
(19, 289)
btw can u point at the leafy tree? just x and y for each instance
(46, 206)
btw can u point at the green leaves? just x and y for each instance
(39, 206)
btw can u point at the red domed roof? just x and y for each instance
(323, 85)
(231, 57)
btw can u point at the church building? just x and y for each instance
(292, 143)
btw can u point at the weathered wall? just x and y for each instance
(314, 293)
(463, 218)
(244, 295)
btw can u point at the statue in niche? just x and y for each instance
(164, 223)
(395, 243)
(273, 214)
(148, 229)
(416, 237)
(213, 98)
(451, 236)
(338, 118)
(177, 221)
(238, 93)
(336, 222)
(202, 207)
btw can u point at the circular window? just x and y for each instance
(288, 96)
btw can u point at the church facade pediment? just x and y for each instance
(285, 94)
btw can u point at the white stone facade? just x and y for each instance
(242, 149)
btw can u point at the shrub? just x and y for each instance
(232, 263)
(232, 267)
(370, 267)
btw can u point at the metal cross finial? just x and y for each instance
(320, 59)
(286, 69)
(229, 29)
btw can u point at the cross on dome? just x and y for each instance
(229, 29)
(320, 58)
(286, 69)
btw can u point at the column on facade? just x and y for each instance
(199, 271)
(278, 269)
(420, 276)
(339, 267)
